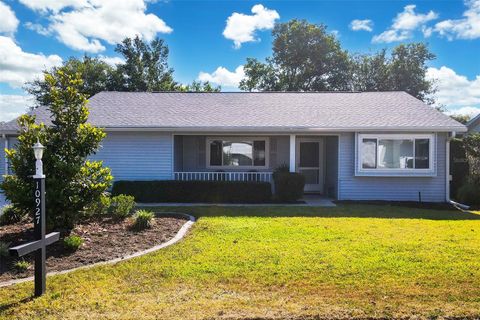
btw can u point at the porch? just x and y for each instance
(255, 157)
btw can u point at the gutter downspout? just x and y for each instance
(447, 166)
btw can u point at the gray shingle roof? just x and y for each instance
(264, 111)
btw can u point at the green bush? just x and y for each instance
(195, 191)
(99, 208)
(143, 219)
(21, 266)
(469, 193)
(4, 246)
(122, 206)
(10, 214)
(72, 243)
(288, 186)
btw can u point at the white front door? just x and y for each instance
(310, 163)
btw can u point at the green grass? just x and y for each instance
(282, 262)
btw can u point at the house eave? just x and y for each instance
(286, 130)
(290, 129)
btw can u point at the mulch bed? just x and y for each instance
(104, 239)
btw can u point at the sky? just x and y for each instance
(210, 40)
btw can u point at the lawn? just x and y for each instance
(284, 262)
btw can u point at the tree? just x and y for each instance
(73, 182)
(462, 118)
(371, 72)
(404, 70)
(408, 69)
(305, 58)
(145, 68)
(95, 73)
(198, 86)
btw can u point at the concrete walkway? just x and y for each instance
(310, 201)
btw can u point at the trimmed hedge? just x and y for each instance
(195, 191)
(288, 186)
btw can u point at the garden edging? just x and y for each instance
(179, 235)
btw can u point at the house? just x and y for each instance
(349, 145)
(474, 124)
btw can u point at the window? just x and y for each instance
(395, 153)
(237, 152)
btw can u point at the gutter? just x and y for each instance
(448, 177)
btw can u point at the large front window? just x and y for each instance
(395, 153)
(237, 152)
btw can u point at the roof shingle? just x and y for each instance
(262, 111)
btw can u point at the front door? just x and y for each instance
(310, 164)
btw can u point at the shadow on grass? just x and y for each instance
(8, 306)
(343, 210)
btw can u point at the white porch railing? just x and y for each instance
(224, 176)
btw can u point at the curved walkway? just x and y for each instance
(180, 234)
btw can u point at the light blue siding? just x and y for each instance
(351, 187)
(12, 141)
(2, 168)
(137, 155)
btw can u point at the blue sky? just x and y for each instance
(210, 40)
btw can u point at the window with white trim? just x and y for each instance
(237, 152)
(395, 153)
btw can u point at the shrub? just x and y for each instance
(122, 206)
(21, 265)
(11, 214)
(143, 219)
(195, 191)
(469, 193)
(73, 182)
(72, 243)
(99, 208)
(288, 186)
(4, 246)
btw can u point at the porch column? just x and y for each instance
(293, 149)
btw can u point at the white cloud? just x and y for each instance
(454, 90)
(38, 28)
(404, 24)
(18, 66)
(223, 76)
(357, 25)
(89, 22)
(113, 61)
(465, 28)
(53, 5)
(241, 27)
(11, 106)
(9, 22)
(469, 111)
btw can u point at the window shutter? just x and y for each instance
(273, 152)
(202, 158)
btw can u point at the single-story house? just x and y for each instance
(349, 145)
(473, 125)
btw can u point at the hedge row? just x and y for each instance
(195, 191)
(289, 186)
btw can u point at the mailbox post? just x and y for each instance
(41, 239)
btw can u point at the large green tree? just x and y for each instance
(404, 70)
(305, 58)
(95, 74)
(73, 182)
(146, 66)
